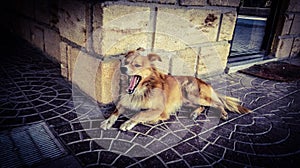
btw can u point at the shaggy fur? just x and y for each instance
(157, 95)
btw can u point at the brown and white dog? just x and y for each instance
(157, 95)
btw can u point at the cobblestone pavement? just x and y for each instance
(32, 90)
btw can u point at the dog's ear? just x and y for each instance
(140, 49)
(129, 53)
(154, 57)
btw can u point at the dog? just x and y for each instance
(157, 95)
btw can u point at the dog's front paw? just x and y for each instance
(194, 115)
(128, 125)
(224, 116)
(108, 123)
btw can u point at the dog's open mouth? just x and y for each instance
(134, 81)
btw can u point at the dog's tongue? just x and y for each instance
(133, 83)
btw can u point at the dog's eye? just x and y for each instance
(137, 65)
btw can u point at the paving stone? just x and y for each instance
(124, 161)
(195, 159)
(169, 155)
(107, 157)
(180, 163)
(236, 157)
(244, 148)
(153, 162)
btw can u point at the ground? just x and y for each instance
(33, 94)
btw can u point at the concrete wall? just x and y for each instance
(84, 37)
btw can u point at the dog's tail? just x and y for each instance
(233, 104)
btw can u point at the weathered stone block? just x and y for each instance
(157, 1)
(71, 23)
(167, 1)
(296, 48)
(202, 70)
(46, 12)
(26, 8)
(121, 43)
(84, 73)
(97, 23)
(193, 2)
(164, 64)
(187, 27)
(52, 43)
(63, 71)
(284, 48)
(64, 59)
(294, 6)
(42, 12)
(108, 81)
(213, 58)
(98, 79)
(234, 3)
(184, 62)
(119, 28)
(169, 42)
(288, 20)
(63, 53)
(37, 36)
(23, 28)
(72, 54)
(228, 25)
(295, 29)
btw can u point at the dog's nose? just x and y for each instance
(123, 70)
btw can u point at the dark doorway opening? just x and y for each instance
(254, 26)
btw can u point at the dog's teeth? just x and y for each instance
(134, 81)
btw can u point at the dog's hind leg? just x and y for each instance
(197, 112)
(217, 103)
(210, 98)
(224, 114)
(214, 104)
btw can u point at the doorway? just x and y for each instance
(250, 35)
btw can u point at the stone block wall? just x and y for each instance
(289, 38)
(87, 37)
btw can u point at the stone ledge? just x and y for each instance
(156, 1)
(193, 2)
(234, 3)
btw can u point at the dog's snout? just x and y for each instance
(123, 70)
